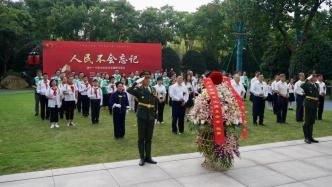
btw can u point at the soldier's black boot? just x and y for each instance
(141, 162)
(314, 141)
(150, 161)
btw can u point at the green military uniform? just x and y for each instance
(311, 91)
(57, 79)
(146, 114)
(117, 77)
(36, 81)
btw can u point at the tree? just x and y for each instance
(67, 22)
(304, 12)
(194, 61)
(170, 59)
(15, 33)
(211, 61)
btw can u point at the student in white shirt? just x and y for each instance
(269, 95)
(179, 94)
(61, 87)
(83, 90)
(299, 97)
(291, 98)
(322, 93)
(259, 94)
(96, 97)
(53, 95)
(283, 95)
(161, 94)
(239, 88)
(70, 93)
(275, 94)
(42, 87)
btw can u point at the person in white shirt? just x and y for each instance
(96, 97)
(291, 98)
(275, 94)
(161, 94)
(259, 94)
(252, 81)
(179, 94)
(269, 95)
(83, 90)
(322, 93)
(299, 97)
(188, 83)
(53, 95)
(283, 95)
(77, 83)
(42, 87)
(239, 88)
(61, 87)
(70, 93)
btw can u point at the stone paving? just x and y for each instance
(285, 164)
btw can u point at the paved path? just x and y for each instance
(286, 164)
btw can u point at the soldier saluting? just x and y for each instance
(311, 92)
(146, 114)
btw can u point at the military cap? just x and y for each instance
(144, 73)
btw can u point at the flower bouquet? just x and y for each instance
(218, 143)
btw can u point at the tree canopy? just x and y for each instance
(280, 35)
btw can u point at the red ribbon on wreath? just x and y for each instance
(240, 102)
(218, 121)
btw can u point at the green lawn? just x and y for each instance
(28, 144)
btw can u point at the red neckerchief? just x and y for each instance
(55, 88)
(46, 85)
(72, 87)
(96, 91)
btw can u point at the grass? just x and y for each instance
(28, 144)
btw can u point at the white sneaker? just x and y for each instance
(52, 126)
(73, 124)
(68, 124)
(56, 125)
(162, 122)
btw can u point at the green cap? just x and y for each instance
(144, 72)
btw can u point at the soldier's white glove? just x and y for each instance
(140, 80)
(116, 105)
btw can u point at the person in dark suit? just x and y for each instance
(118, 102)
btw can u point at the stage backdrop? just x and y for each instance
(92, 57)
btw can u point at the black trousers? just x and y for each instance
(85, 105)
(37, 100)
(245, 88)
(70, 107)
(258, 108)
(299, 107)
(44, 110)
(145, 133)
(320, 107)
(178, 113)
(62, 109)
(282, 109)
(119, 123)
(310, 111)
(79, 102)
(275, 103)
(95, 110)
(161, 107)
(54, 114)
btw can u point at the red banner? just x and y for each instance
(241, 106)
(218, 121)
(92, 57)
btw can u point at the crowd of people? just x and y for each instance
(59, 96)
